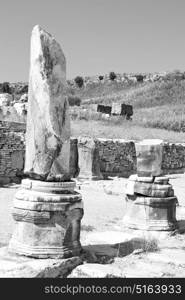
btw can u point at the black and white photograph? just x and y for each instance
(92, 147)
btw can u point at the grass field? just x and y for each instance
(123, 130)
(159, 110)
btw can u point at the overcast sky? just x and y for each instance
(97, 36)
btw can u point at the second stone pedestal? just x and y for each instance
(149, 213)
(151, 204)
(48, 217)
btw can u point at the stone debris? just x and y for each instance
(16, 266)
(96, 271)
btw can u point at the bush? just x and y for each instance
(112, 76)
(79, 81)
(139, 78)
(74, 100)
(100, 77)
(6, 88)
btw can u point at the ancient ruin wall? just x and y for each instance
(12, 151)
(117, 156)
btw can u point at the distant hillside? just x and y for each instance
(170, 90)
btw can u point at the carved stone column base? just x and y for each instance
(147, 213)
(48, 217)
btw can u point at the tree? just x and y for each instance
(6, 88)
(100, 77)
(79, 81)
(112, 76)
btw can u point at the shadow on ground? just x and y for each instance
(105, 253)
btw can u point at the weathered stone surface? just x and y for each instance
(117, 157)
(48, 187)
(96, 271)
(135, 177)
(48, 125)
(16, 266)
(149, 189)
(161, 179)
(149, 213)
(47, 221)
(149, 157)
(88, 159)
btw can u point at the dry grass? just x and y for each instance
(159, 105)
(125, 130)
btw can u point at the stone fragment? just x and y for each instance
(16, 266)
(88, 159)
(149, 189)
(149, 158)
(135, 177)
(130, 187)
(161, 179)
(96, 271)
(48, 124)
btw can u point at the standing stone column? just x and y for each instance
(88, 159)
(47, 209)
(151, 204)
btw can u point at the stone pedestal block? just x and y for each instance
(149, 213)
(48, 217)
(149, 157)
(149, 189)
(88, 159)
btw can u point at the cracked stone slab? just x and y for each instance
(16, 266)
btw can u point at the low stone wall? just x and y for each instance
(173, 158)
(117, 157)
(12, 150)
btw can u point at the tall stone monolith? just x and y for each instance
(48, 124)
(47, 209)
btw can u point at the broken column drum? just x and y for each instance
(47, 209)
(151, 203)
(88, 159)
